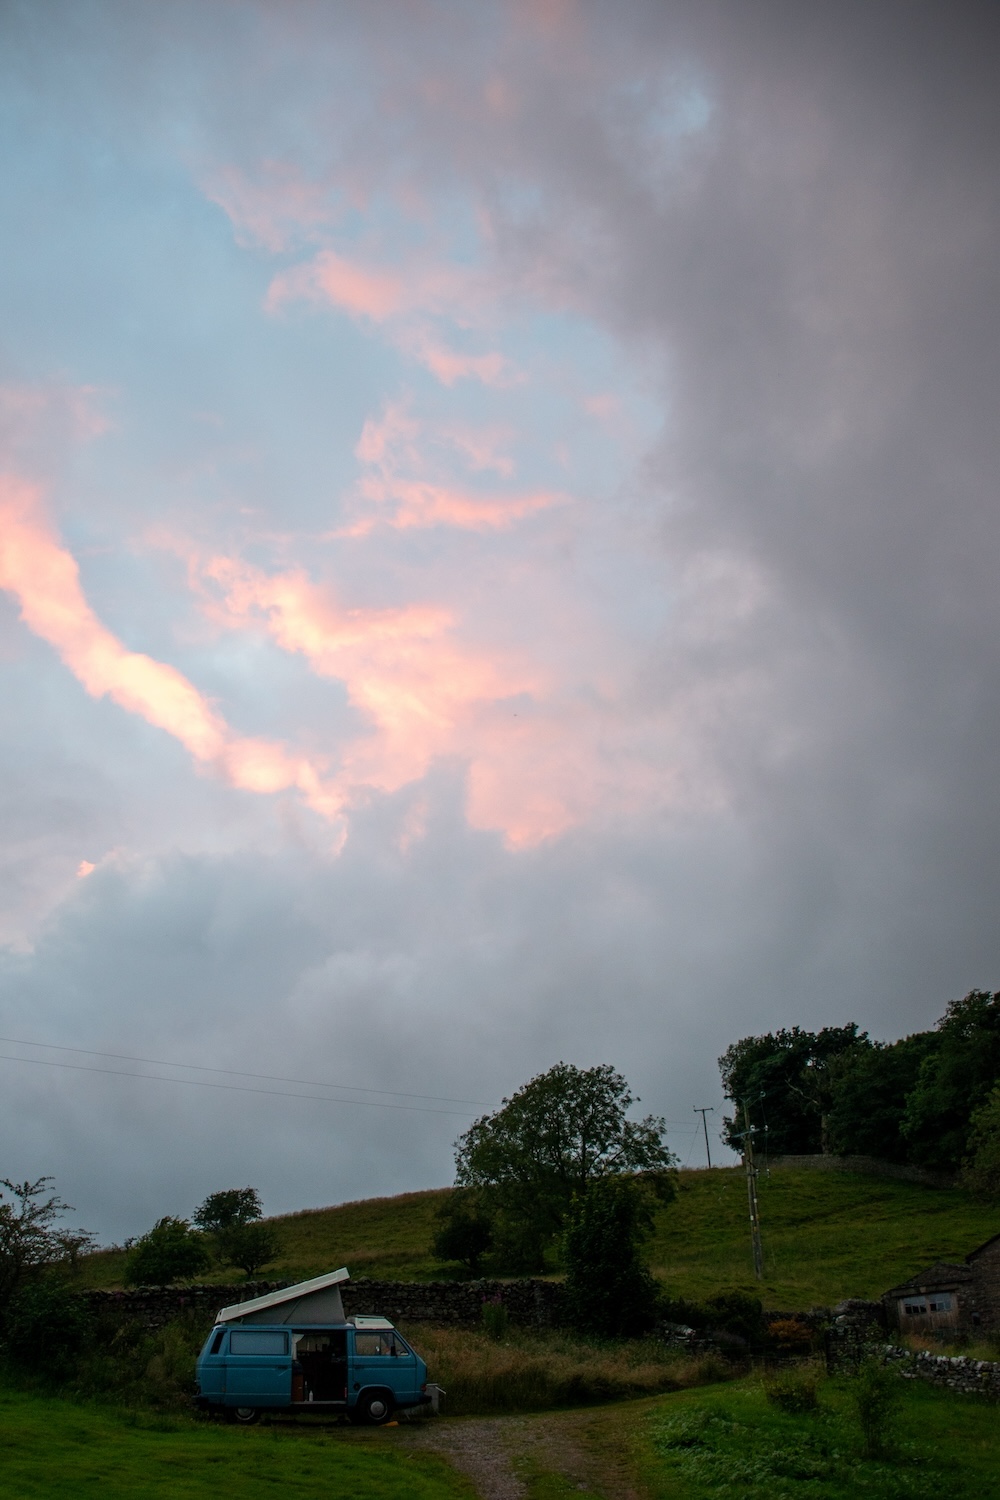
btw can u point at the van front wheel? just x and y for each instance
(373, 1409)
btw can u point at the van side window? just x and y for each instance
(258, 1341)
(369, 1343)
(217, 1341)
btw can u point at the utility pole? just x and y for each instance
(748, 1162)
(708, 1110)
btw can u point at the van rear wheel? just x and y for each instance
(373, 1409)
(244, 1416)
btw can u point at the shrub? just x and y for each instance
(466, 1231)
(790, 1335)
(171, 1250)
(876, 1395)
(495, 1319)
(609, 1291)
(793, 1391)
(46, 1327)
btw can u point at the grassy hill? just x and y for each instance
(827, 1235)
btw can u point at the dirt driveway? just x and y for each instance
(589, 1450)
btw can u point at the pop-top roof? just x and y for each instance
(287, 1294)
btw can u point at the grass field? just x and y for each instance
(826, 1236)
(53, 1448)
(729, 1441)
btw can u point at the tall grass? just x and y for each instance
(538, 1371)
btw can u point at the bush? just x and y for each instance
(495, 1319)
(794, 1392)
(46, 1327)
(876, 1395)
(609, 1291)
(170, 1251)
(466, 1231)
(790, 1336)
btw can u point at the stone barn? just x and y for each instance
(964, 1298)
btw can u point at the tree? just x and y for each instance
(466, 1230)
(981, 1168)
(870, 1088)
(609, 1291)
(29, 1237)
(787, 1080)
(954, 1080)
(251, 1247)
(170, 1251)
(549, 1141)
(230, 1206)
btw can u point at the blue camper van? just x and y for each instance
(294, 1351)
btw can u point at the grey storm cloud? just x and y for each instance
(785, 217)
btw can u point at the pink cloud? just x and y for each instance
(396, 448)
(362, 291)
(418, 690)
(275, 210)
(43, 576)
(402, 301)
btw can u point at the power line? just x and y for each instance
(158, 1062)
(234, 1088)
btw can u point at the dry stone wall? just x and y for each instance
(529, 1303)
(856, 1333)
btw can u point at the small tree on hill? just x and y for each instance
(171, 1251)
(609, 1290)
(251, 1247)
(224, 1209)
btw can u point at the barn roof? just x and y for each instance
(984, 1246)
(940, 1274)
(301, 1289)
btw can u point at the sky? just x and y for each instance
(498, 544)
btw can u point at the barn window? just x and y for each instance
(942, 1302)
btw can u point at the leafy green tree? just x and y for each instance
(549, 1141)
(251, 1247)
(787, 1080)
(224, 1209)
(29, 1235)
(870, 1088)
(981, 1168)
(954, 1080)
(465, 1232)
(609, 1291)
(171, 1251)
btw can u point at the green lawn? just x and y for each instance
(54, 1448)
(729, 1442)
(827, 1235)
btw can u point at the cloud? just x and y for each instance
(44, 578)
(397, 490)
(275, 209)
(405, 301)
